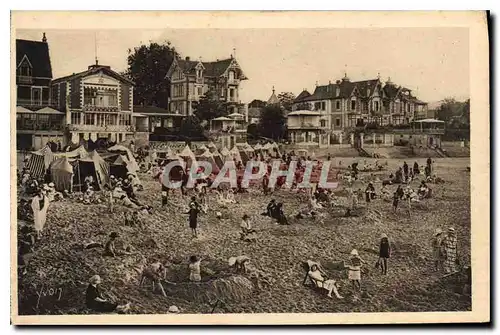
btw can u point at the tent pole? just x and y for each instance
(79, 178)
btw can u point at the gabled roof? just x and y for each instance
(256, 103)
(365, 85)
(37, 54)
(273, 99)
(212, 69)
(93, 69)
(391, 90)
(304, 94)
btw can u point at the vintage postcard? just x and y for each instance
(250, 167)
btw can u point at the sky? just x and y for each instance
(433, 62)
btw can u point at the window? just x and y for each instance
(353, 104)
(200, 91)
(89, 118)
(36, 96)
(231, 75)
(323, 123)
(25, 70)
(337, 122)
(199, 73)
(337, 105)
(75, 118)
(323, 106)
(377, 106)
(317, 106)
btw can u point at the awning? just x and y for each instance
(48, 110)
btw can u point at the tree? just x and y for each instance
(147, 67)
(191, 128)
(272, 122)
(286, 100)
(209, 107)
(303, 106)
(253, 131)
(448, 109)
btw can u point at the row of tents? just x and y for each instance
(239, 153)
(68, 170)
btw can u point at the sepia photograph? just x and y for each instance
(249, 168)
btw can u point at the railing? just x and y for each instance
(94, 108)
(304, 125)
(41, 127)
(42, 103)
(91, 127)
(25, 79)
(233, 81)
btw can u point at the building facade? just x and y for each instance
(98, 104)
(347, 104)
(190, 80)
(38, 120)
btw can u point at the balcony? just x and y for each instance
(108, 128)
(25, 80)
(39, 127)
(36, 103)
(305, 125)
(233, 81)
(104, 109)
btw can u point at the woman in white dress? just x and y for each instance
(329, 285)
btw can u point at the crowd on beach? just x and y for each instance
(123, 193)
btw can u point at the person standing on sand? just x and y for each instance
(405, 171)
(354, 267)
(429, 165)
(194, 209)
(194, 269)
(384, 252)
(436, 248)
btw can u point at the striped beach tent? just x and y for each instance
(40, 161)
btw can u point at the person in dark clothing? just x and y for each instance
(429, 165)
(416, 169)
(194, 209)
(270, 208)
(397, 196)
(265, 184)
(184, 179)
(384, 253)
(405, 170)
(399, 176)
(329, 157)
(95, 300)
(427, 171)
(370, 192)
(279, 215)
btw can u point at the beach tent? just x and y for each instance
(235, 153)
(188, 156)
(120, 167)
(208, 157)
(93, 165)
(79, 152)
(122, 150)
(224, 152)
(61, 172)
(257, 147)
(39, 162)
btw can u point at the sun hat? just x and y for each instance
(51, 185)
(451, 229)
(231, 261)
(354, 252)
(45, 187)
(112, 177)
(384, 235)
(438, 231)
(95, 280)
(173, 309)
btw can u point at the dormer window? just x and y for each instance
(25, 70)
(231, 75)
(199, 73)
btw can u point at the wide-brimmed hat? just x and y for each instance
(95, 280)
(438, 231)
(112, 177)
(173, 309)
(354, 252)
(451, 229)
(231, 261)
(45, 187)
(384, 235)
(51, 185)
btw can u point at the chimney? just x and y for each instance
(337, 82)
(188, 59)
(44, 38)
